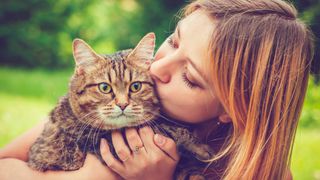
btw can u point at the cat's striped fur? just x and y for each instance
(88, 113)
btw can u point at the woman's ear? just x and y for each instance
(224, 118)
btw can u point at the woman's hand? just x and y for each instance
(148, 156)
(93, 169)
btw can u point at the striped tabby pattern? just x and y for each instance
(109, 92)
(106, 92)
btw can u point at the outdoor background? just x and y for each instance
(36, 59)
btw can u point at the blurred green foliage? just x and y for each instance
(310, 116)
(310, 13)
(39, 33)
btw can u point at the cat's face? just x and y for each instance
(113, 91)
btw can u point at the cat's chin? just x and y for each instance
(123, 121)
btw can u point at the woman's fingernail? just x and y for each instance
(160, 140)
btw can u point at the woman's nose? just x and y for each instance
(162, 69)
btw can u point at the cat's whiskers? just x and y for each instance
(96, 137)
(107, 108)
(88, 123)
(82, 129)
(85, 145)
(165, 118)
(106, 113)
(136, 108)
(154, 124)
(215, 139)
(95, 133)
(85, 116)
(85, 123)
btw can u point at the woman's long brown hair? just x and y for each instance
(260, 56)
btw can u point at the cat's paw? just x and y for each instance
(197, 177)
(204, 152)
(37, 166)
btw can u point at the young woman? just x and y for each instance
(237, 70)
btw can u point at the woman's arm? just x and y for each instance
(13, 164)
(16, 169)
(93, 169)
(19, 147)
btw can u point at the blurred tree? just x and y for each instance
(310, 13)
(39, 33)
(29, 30)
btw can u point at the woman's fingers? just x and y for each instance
(134, 141)
(150, 154)
(110, 160)
(167, 145)
(160, 149)
(120, 146)
(146, 134)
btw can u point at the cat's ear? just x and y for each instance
(84, 56)
(142, 55)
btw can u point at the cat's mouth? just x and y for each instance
(123, 114)
(124, 120)
(120, 120)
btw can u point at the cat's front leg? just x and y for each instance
(54, 150)
(189, 172)
(183, 137)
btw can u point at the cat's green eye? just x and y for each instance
(105, 88)
(135, 87)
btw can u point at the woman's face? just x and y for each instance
(179, 72)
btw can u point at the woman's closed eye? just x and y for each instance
(173, 44)
(189, 83)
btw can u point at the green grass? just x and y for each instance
(26, 97)
(40, 84)
(306, 154)
(19, 113)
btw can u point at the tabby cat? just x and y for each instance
(106, 92)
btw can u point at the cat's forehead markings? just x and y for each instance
(118, 56)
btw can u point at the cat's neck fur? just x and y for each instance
(63, 115)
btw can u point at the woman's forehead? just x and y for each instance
(196, 32)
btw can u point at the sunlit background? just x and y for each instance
(36, 59)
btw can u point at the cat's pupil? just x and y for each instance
(136, 86)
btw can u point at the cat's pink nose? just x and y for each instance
(122, 106)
